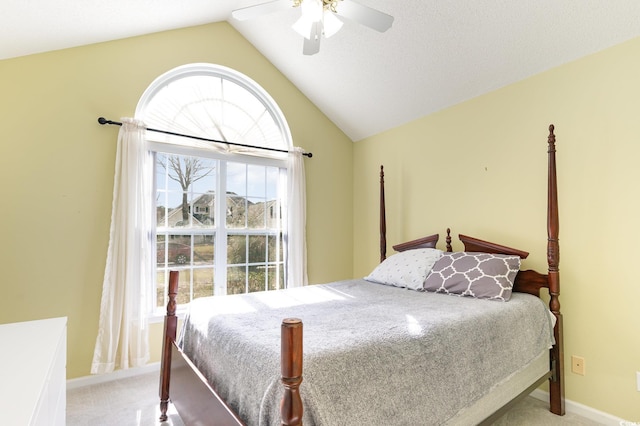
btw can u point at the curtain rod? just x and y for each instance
(103, 121)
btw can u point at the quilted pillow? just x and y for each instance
(480, 275)
(406, 269)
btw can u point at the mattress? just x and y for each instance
(373, 354)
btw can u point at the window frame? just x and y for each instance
(207, 69)
(220, 232)
(162, 144)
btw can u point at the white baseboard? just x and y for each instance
(597, 416)
(118, 374)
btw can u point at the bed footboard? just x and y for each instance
(170, 333)
(291, 358)
(195, 399)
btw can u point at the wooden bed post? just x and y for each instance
(556, 384)
(291, 408)
(383, 219)
(170, 333)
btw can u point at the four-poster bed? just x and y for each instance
(340, 351)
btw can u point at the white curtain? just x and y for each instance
(296, 211)
(122, 340)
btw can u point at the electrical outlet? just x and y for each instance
(638, 380)
(577, 365)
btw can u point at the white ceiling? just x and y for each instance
(437, 54)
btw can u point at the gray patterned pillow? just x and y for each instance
(480, 275)
(405, 269)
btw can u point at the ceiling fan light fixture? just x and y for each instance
(330, 24)
(312, 11)
(303, 27)
(319, 18)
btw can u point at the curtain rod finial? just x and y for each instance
(102, 120)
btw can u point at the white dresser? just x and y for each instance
(33, 363)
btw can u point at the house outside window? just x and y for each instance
(218, 209)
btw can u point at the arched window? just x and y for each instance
(214, 102)
(219, 208)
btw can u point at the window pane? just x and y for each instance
(271, 186)
(236, 249)
(202, 282)
(161, 174)
(203, 174)
(237, 179)
(236, 211)
(180, 215)
(257, 249)
(257, 278)
(185, 183)
(236, 195)
(256, 218)
(160, 251)
(203, 209)
(243, 97)
(176, 250)
(275, 248)
(256, 179)
(236, 279)
(273, 216)
(275, 277)
(161, 209)
(162, 287)
(203, 249)
(184, 286)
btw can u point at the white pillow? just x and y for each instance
(406, 269)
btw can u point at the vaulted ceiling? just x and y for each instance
(437, 53)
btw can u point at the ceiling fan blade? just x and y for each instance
(364, 15)
(258, 10)
(311, 45)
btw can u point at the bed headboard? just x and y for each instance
(425, 242)
(527, 281)
(475, 244)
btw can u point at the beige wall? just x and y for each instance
(480, 168)
(56, 169)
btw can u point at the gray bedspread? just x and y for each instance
(373, 354)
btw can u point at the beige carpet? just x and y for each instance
(134, 402)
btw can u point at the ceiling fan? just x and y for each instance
(319, 18)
